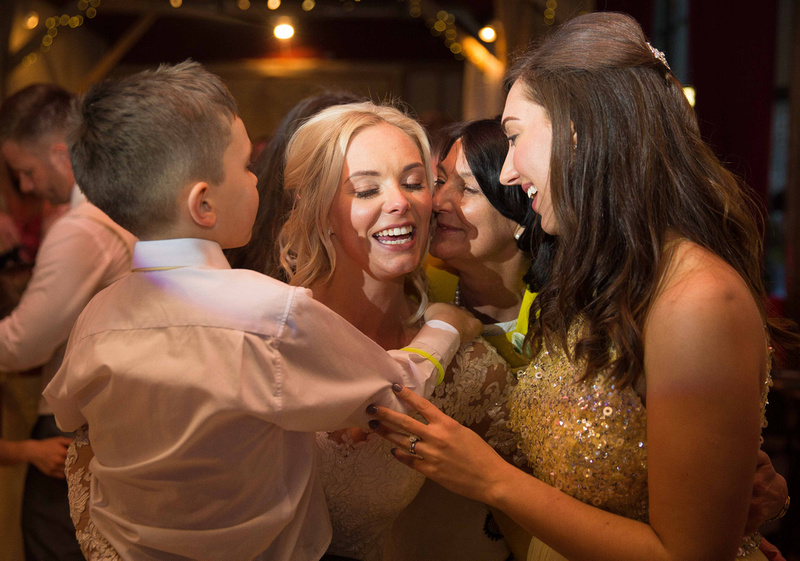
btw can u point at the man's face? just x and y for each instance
(42, 169)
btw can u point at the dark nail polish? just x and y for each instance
(397, 387)
(374, 424)
(371, 409)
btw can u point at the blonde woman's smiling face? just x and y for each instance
(380, 215)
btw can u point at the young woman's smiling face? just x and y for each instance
(530, 136)
(380, 216)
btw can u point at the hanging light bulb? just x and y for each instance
(283, 31)
(487, 34)
(32, 20)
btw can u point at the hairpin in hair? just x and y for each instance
(659, 55)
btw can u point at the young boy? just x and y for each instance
(201, 384)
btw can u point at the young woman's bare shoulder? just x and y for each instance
(704, 320)
(701, 293)
(698, 276)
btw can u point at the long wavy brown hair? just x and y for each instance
(639, 177)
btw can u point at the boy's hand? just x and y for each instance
(466, 324)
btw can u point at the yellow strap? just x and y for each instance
(430, 357)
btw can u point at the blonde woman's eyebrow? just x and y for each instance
(373, 173)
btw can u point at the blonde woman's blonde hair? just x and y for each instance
(314, 162)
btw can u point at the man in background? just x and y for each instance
(83, 252)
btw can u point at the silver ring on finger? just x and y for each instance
(413, 439)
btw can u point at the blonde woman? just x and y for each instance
(357, 236)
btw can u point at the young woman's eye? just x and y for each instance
(512, 139)
(413, 186)
(438, 182)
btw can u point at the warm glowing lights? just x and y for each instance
(308, 5)
(274, 5)
(440, 26)
(32, 20)
(91, 12)
(487, 34)
(283, 31)
(550, 12)
(690, 94)
(243, 4)
(173, 3)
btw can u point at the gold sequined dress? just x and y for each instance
(588, 440)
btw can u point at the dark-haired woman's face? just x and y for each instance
(530, 140)
(468, 228)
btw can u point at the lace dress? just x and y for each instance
(366, 488)
(587, 439)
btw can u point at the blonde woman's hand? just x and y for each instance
(467, 325)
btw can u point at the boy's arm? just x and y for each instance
(330, 371)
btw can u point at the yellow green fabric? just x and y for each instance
(442, 288)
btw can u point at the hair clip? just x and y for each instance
(659, 56)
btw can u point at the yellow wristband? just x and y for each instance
(430, 357)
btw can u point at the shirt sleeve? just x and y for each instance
(329, 367)
(71, 266)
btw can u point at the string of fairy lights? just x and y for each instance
(87, 9)
(443, 24)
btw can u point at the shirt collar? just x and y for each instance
(182, 252)
(76, 196)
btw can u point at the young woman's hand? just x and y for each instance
(443, 450)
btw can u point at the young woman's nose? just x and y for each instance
(509, 175)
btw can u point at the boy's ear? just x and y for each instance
(200, 207)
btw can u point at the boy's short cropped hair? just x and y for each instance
(34, 112)
(137, 141)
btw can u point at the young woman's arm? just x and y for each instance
(705, 360)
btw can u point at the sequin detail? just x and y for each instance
(589, 439)
(586, 439)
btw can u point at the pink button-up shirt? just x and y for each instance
(201, 386)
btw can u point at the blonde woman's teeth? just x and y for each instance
(532, 191)
(395, 235)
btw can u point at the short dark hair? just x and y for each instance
(262, 252)
(34, 112)
(138, 140)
